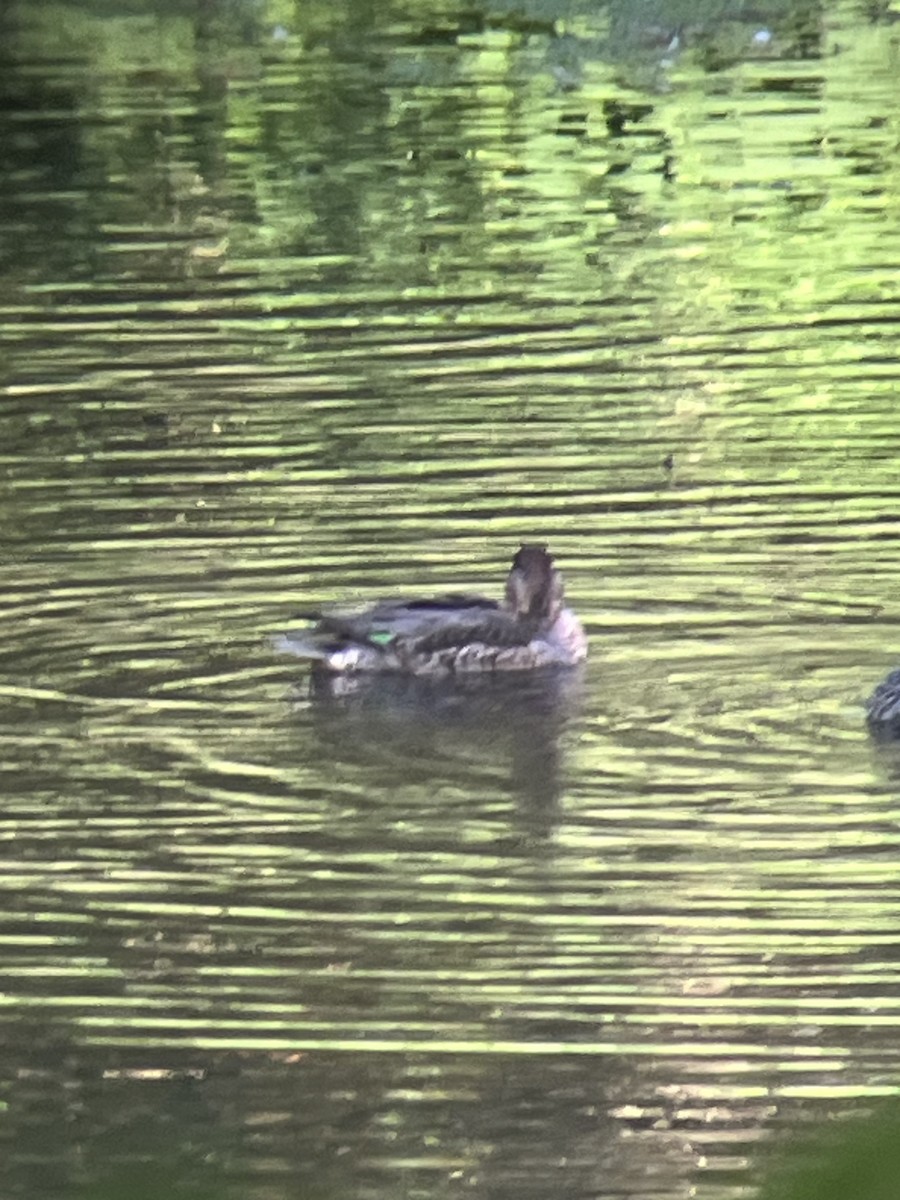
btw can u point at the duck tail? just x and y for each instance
(303, 643)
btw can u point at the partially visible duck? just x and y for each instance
(530, 627)
(883, 706)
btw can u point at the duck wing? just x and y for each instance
(408, 621)
(399, 632)
(467, 627)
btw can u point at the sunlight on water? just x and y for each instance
(320, 305)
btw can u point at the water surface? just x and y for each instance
(307, 305)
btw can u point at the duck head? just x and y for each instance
(534, 587)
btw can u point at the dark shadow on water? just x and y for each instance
(509, 727)
(105, 1123)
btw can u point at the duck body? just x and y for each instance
(883, 707)
(458, 632)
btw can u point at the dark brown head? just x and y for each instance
(534, 588)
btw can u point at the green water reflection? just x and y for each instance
(304, 302)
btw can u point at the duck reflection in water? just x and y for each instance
(453, 682)
(473, 732)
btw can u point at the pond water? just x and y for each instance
(304, 303)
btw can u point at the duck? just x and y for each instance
(530, 628)
(883, 706)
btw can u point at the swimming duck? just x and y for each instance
(883, 706)
(530, 627)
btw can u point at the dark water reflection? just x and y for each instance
(326, 303)
(263, 1124)
(507, 732)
